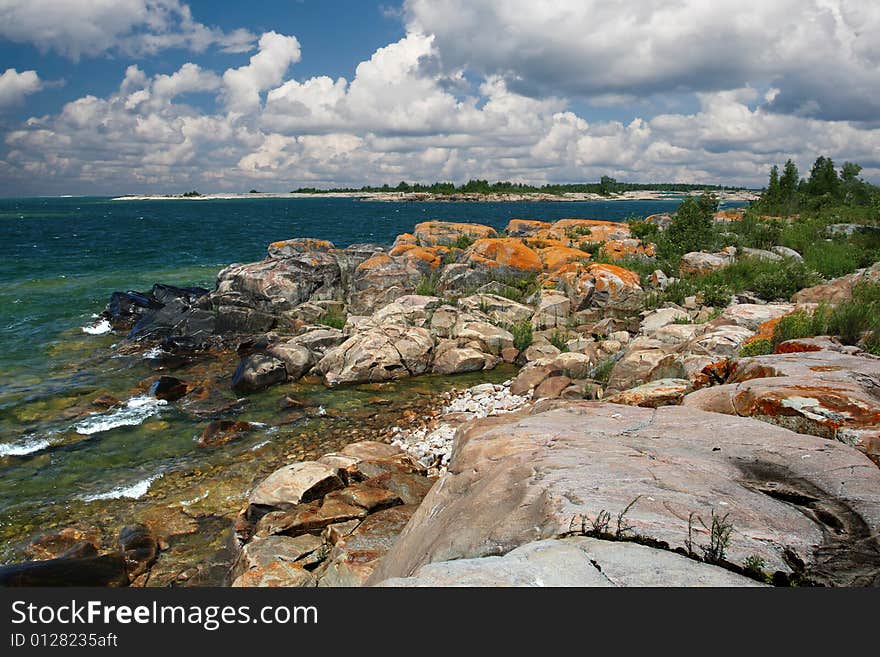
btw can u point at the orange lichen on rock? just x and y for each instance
(627, 248)
(595, 230)
(376, 262)
(434, 233)
(765, 331)
(604, 275)
(287, 248)
(555, 257)
(797, 347)
(525, 227)
(505, 252)
(421, 257)
(725, 216)
(406, 238)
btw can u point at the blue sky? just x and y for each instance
(113, 96)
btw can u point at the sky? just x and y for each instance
(166, 96)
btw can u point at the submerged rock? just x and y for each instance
(258, 372)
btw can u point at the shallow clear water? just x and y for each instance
(61, 458)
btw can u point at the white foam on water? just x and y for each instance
(155, 352)
(99, 328)
(260, 444)
(25, 446)
(135, 411)
(133, 492)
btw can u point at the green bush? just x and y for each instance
(428, 285)
(716, 295)
(522, 334)
(760, 347)
(559, 339)
(463, 242)
(333, 320)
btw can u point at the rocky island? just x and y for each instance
(673, 416)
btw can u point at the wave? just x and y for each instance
(99, 328)
(135, 411)
(25, 446)
(135, 491)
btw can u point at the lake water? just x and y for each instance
(61, 458)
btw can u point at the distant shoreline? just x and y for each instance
(419, 197)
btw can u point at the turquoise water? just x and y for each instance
(61, 458)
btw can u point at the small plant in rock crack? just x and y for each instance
(689, 543)
(754, 565)
(719, 538)
(622, 525)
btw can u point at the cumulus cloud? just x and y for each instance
(265, 70)
(421, 110)
(14, 86)
(821, 55)
(132, 27)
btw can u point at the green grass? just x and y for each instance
(522, 335)
(559, 340)
(428, 285)
(854, 322)
(333, 320)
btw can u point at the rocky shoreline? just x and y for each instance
(423, 197)
(632, 446)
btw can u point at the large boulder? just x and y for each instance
(577, 561)
(459, 360)
(598, 290)
(839, 289)
(258, 372)
(823, 393)
(379, 354)
(447, 233)
(380, 280)
(751, 316)
(500, 310)
(662, 392)
(296, 483)
(807, 507)
(700, 263)
(505, 258)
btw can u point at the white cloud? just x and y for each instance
(821, 55)
(416, 111)
(265, 70)
(91, 27)
(14, 86)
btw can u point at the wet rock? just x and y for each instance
(296, 483)
(139, 549)
(221, 432)
(276, 574)
(353, 558)
(258, 372)
(52, 545)
(369, 450)
(371, 498)
(264, 551)
(103, 570)
(803, 504)
(580, 561)
(308, 518)
(168, 388)
(382, 354)
(106, 401)
(411, 488)
(297, 359)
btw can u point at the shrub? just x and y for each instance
(559, 339)
(716, 295)
(333, 320)
(522, 334)
(428, 285)
(463, 242)
(760, 347)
